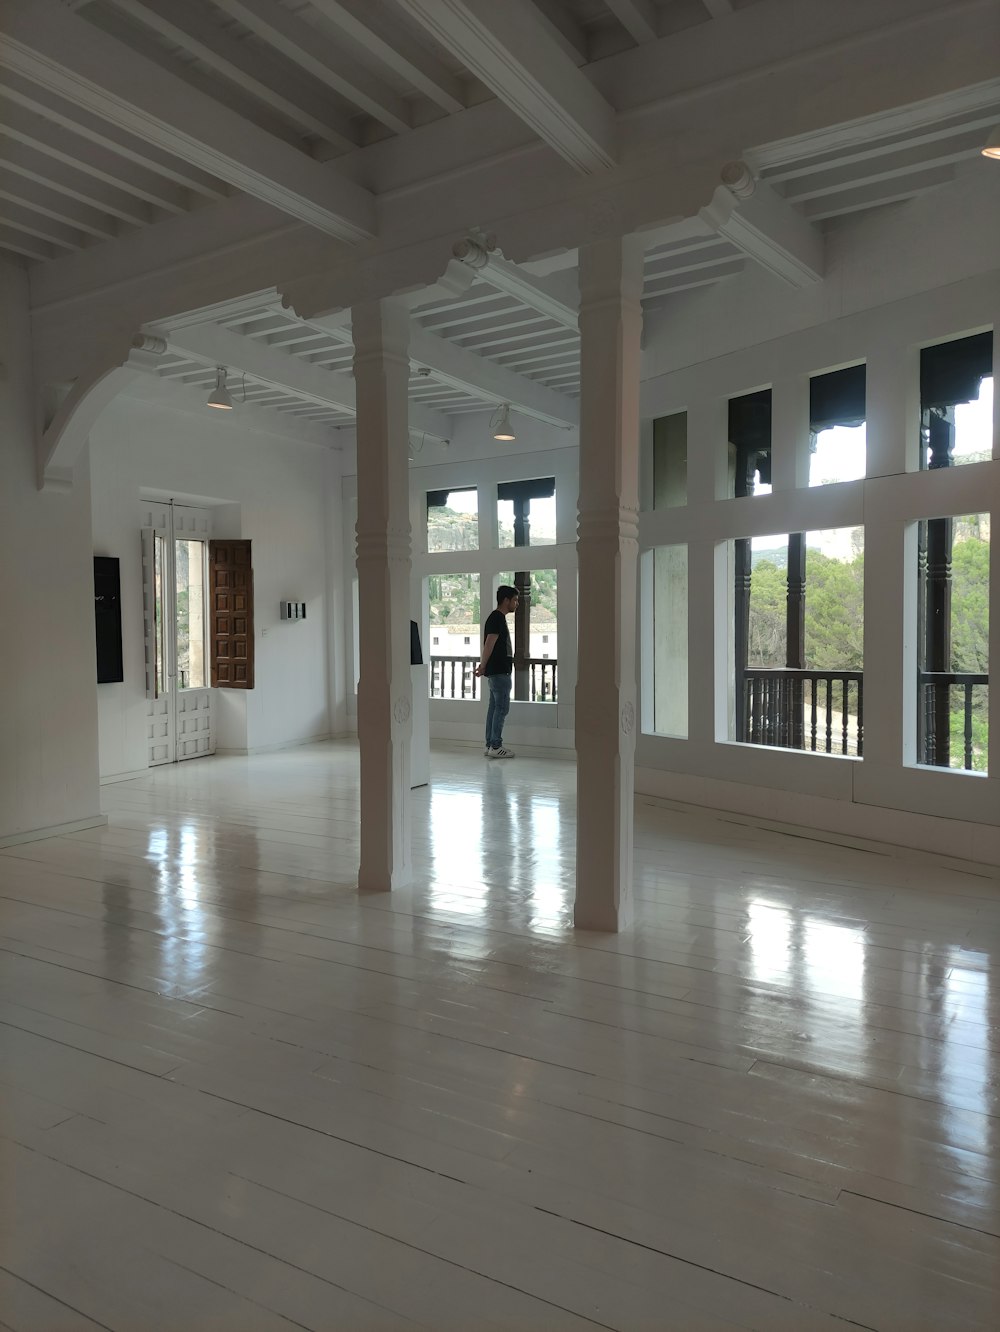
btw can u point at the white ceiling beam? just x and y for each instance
(34, 224)
(718, 8)
(60, 51)
(96, 131)
(481, 255)
(452, 365)
(637, 17)
(18, 242)
(766, 228)
(814, 184)
(20, 160)
(187, 24)
(50, 139)
(512, 50)
(306, 46)
(213, 345)
(877, 193)
(49, 203)
(366, 23)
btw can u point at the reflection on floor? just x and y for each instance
(236, 1096)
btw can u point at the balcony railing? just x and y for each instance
(455, 678)
(818, 711)
(936, 691)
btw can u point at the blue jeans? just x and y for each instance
(496, 713)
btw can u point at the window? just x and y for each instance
(837, 449)
(665, 610)
(453, 601)
(526, 513)
(799, 641)
(545, 638)
(956, 402)
(953, 628)
(535, 673)
(670, 461)
(452, 520)
(750, 444)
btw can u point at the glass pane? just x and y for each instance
(837, 430)
(670, 461)
(190, 574)
(452, 520)
(750, 444)
(670, 640)
(526, 513)
(956, 402)
(767, 640)
(455, 635)
(159, 566)
(536, 672)
(953, 629)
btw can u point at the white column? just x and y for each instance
(385, 704)
(610, 329)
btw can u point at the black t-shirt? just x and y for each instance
(502, 657)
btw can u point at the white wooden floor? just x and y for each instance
(235, 1096)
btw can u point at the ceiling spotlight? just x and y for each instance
(220, 396)
(501, 426)
(991, 148)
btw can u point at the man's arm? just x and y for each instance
(488, 646)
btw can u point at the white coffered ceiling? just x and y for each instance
(121, 118)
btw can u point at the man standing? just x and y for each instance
(496, 664)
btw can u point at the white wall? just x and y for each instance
(281, 494)
(48, 674)
(899, 279)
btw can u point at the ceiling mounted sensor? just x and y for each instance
(500, 424)
(991, 148)
(220, 396)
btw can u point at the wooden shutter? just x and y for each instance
(230, 576)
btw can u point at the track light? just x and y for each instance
(991, 148)
(501, 426)
(220, 396)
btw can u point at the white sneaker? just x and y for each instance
(500, 753)
(487, 752)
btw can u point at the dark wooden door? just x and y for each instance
(231, 584)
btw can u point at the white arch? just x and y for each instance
(113, 369)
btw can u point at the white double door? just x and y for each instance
(179, 697)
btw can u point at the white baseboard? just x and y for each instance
(967, 846)
(54, 830)
(124, 776)
(274, 749)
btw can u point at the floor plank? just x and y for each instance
(235, 1094)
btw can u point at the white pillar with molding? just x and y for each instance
(606, 716)
(385, 704)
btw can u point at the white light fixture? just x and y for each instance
(991, 148)
(220, 396)
(501, 426)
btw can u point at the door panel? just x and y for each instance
(179, 704)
